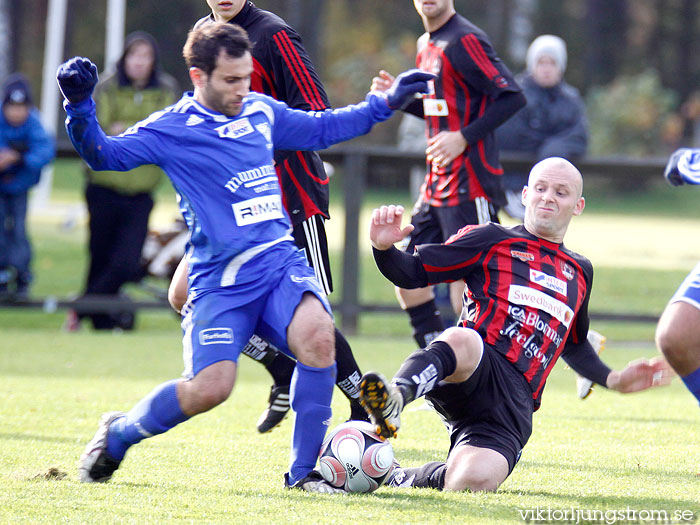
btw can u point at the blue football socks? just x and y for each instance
(692, 382)
(156, 413)
(311, 394)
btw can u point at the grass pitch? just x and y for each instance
(609, 459)
(608, 453)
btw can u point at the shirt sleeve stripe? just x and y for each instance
(478, 55)
(299, 72)
(464, 264)
(305, 72)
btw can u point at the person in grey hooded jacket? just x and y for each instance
(552, 124)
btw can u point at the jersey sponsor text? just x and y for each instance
(213, 336)
(235, 129)
(523, 295)
(258, 209)
(251, 177)
(552, 283)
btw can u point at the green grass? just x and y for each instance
(608, 453)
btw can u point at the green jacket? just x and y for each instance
(127, 105)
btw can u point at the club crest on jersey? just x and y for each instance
(500, 81)
(259, 209)
(214, 336)
(235, 129)
(523, 256)
(435, 107)
(549, 282)
(567, 270)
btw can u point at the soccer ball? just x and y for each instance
(355, 458)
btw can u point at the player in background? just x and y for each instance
(678, 330)
(283, 70)
(246, 274)
(473, 94)
(527, 305)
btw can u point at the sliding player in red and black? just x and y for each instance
(526, 305)
(473, 95)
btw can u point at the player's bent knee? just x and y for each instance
(214, 396)
(675, 332)
(476, 469)
(209, 388)
(198, 398)
(667, 341)
(311, 334)
(468, 348)
(473, 481)
(321, 342)
(457, 336)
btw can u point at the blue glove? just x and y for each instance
(77, 79)
(406, 85)
(683, 167)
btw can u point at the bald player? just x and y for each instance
(527, 304)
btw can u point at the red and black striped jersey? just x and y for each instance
(283, 70)
(470, 80)
(525, 296)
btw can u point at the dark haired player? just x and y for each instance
(283, 70)
(473, 94)
(527, 305)
(246, 274)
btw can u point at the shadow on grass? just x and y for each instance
(612, 502)
(615, 419)
(35, 437)
(619, 472)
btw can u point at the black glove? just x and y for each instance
(77, 79)
(406, 85)
(683, 167)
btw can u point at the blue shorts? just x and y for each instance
(218, 322)
(689, 290)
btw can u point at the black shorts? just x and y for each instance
(492, 409)
(437, 224)
(310, 236)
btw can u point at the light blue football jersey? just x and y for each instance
(222, 169)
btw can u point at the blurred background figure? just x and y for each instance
(473, 94)
(552, 124)
(120, 203)
(25, 148)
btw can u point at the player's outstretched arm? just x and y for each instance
(640, 375)
(385, 228)
(298, 130)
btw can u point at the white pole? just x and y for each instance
(115, 23)
(5, 39)
(50, 104)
